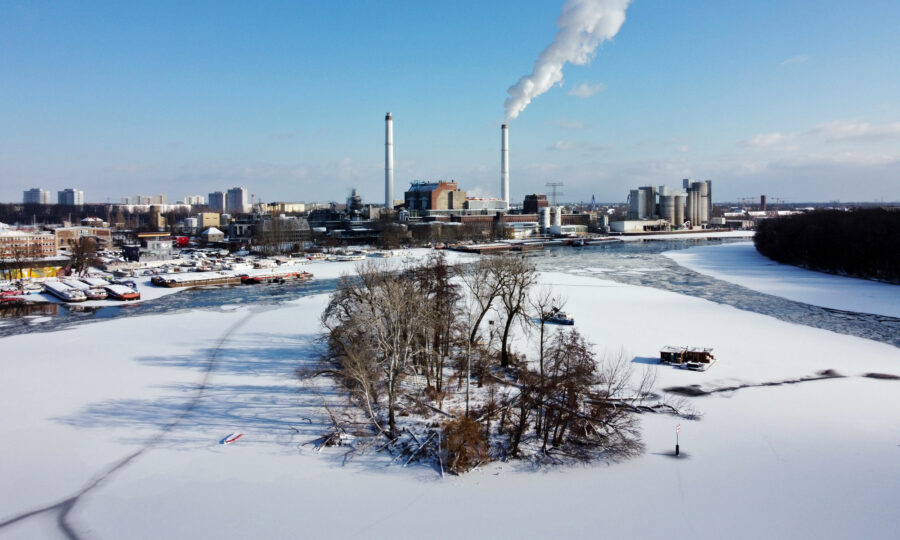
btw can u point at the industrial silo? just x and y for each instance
(679, 209)
(703, 209)
(642, 209)
(667, 208)
(634, 200)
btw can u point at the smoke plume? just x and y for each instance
(583, 25)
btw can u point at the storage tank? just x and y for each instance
(667, 208)
(679, 209)
(643, 196)
(545, 218)
(691, 209)
(703, 209)
(557, 217)
(650, 193)
(634, 200)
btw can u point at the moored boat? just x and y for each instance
(11, 298)
(64, 292)
(121, 292)
(274, 276)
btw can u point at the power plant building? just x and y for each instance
(434, 196)
(649, 204)
(533, 203)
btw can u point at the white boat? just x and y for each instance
(64, 292)
(92, 293)
(94, 282)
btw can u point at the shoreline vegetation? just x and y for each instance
(862, 243)
(430, 357)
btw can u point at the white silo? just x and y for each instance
(703, 209)
(679, 209)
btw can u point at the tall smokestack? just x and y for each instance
(504, 163)
(389, 162)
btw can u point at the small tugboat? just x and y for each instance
(559, 317)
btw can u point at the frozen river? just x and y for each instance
(639, 263)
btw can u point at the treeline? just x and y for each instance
(861, 243)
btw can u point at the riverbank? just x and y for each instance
(743, 265)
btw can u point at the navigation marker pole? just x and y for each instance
(677, 431)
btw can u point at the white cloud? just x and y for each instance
(846, 130)
(570, 124)
(767, 139)
(799, 59)
(563, 145)
(585, 90)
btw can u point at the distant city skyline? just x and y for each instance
(799, 100)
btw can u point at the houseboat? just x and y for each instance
(92, 293)
(121, 292)
(64, 292)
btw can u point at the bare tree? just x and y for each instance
(84, 252)
(515, 276)
(543, 305)
(384, 310)
(479, 280)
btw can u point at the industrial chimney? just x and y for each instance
(504, 163)
(388, 162)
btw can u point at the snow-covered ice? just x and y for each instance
(741, 264)
(814, 459)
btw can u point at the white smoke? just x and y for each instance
(583, 25)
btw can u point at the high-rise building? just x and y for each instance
(194, 199)
(36, 196)
(70, 197)
(159, 199)
(142, 199)
(236, 201)
(216, 201)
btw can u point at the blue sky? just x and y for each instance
(796, 99)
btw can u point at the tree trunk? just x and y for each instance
(504, 353)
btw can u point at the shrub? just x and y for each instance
(463, 445)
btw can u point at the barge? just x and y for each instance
(274, 276)
(195, 279)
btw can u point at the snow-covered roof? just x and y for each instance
(211, 230)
